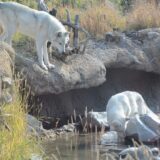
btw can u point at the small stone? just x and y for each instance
(36, 157)
(96, 119)
(6, 82)
(111, 138)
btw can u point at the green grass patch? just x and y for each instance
(15, 142)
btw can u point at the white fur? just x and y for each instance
(39, 25)
(123, 106)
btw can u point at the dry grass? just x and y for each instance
(100, 19)
(97, 19)
(144, 15)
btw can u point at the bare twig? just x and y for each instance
(68, 19)
(76, 28)
(76, 35)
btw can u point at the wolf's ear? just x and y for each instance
(59, 34)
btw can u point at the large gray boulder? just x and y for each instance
(80, 71)
(135, 50)
(138, 50)
(144, 128)
(152, 121)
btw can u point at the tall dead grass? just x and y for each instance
(143, 15)
(100, 19)
(97, 19)
(103, 17)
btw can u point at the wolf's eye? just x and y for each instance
(60, 43)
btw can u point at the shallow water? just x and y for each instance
(79, 147)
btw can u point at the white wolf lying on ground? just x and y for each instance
(123, 106)
(39, 25)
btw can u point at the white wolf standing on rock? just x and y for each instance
(123, 106)
(39, 25)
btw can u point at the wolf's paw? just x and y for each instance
(44, 67)
(51, 66)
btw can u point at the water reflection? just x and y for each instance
(79, 147)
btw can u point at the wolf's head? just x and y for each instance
(61, 41)
(118, 125)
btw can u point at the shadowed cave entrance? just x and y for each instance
(95, 98)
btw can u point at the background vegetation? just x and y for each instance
(100, 16)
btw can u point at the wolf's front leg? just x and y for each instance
(46, 59)
(40, 53)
